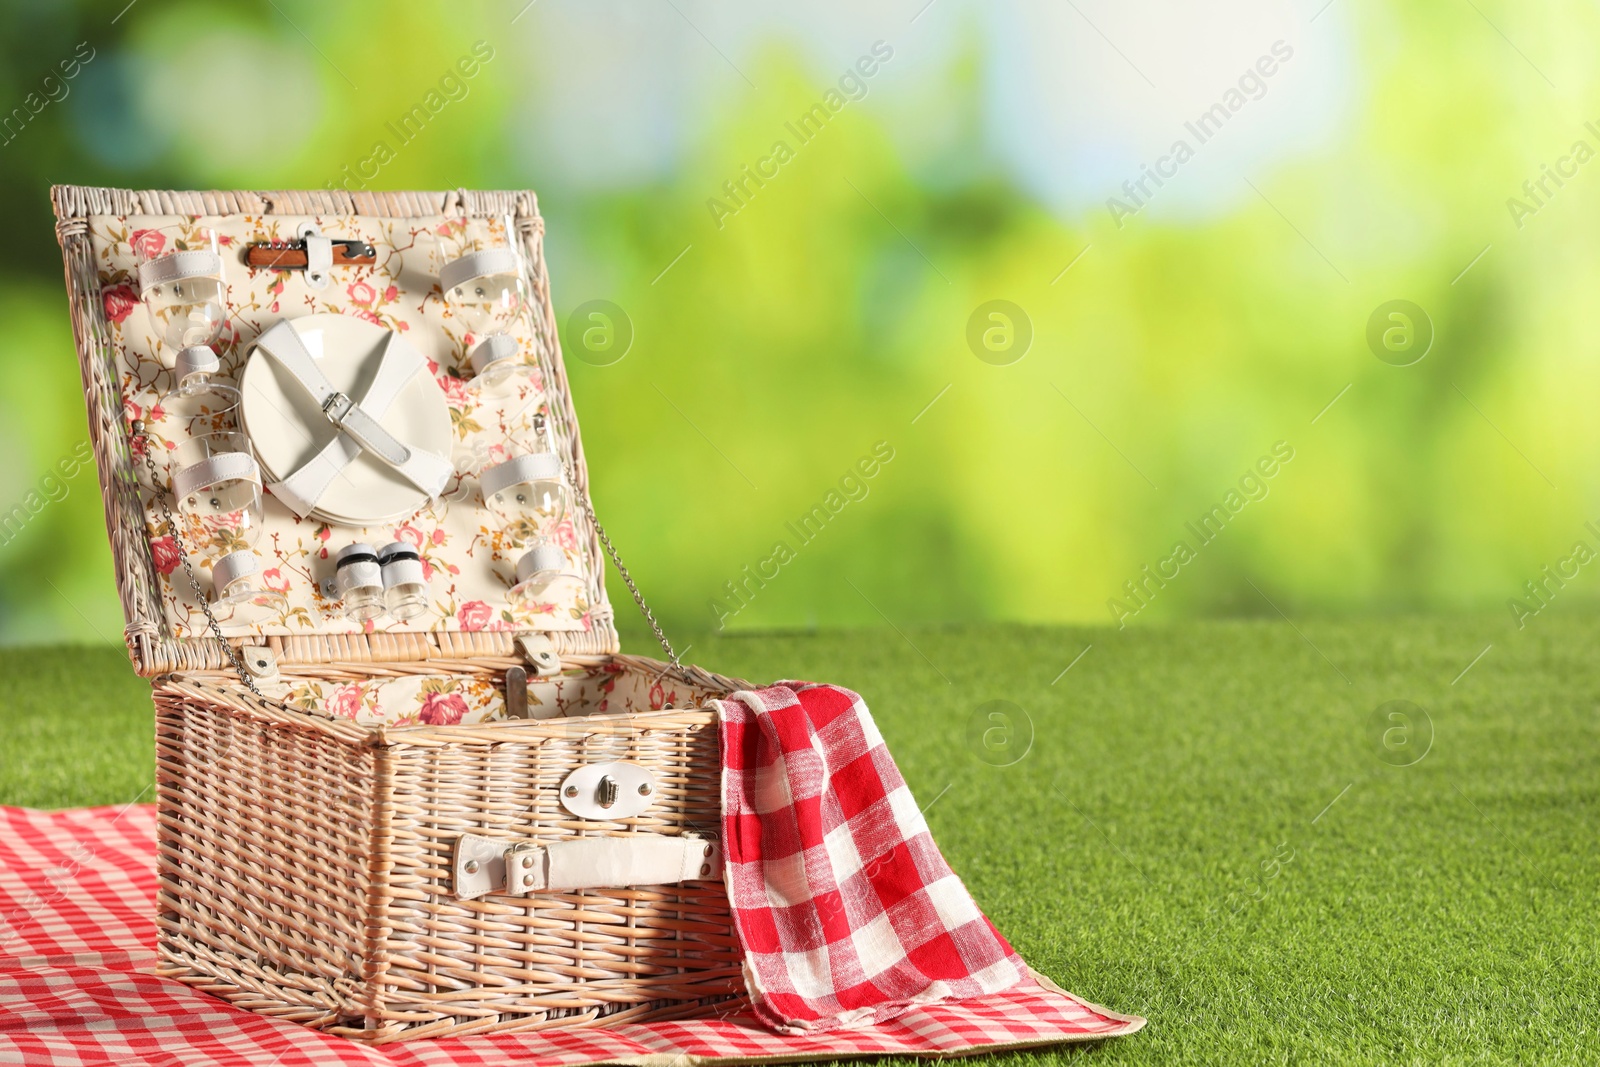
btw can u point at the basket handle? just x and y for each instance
(481, 866)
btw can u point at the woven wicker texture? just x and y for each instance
(264, 854)
(305, 864)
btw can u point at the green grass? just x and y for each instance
(1438, 912)
(76, 728)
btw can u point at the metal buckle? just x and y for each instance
(337, 407)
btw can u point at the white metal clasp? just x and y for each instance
(609, 791)
(540, 652)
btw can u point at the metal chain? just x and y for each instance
(616, 559)
(188, 568)
(627, 579)
(542, 425)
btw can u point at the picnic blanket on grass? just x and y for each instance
(77, 955)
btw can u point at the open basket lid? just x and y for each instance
(357, 319)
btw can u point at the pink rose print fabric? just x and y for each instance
(468, 560)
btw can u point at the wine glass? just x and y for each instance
(529, 495)
(216, 482)
(183, 289)
(486, 288)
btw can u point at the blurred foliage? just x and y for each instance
(772, 352)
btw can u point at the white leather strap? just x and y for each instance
(370, 434)
(319, 253)
(196, 359)
(178, 266)
(403, 572)
(484, 865)
(232, 567)
(282, 343)
(319, 257)
(222, 467)
(303, 488)
(607, 862)
(477, 265)
(540, 559)
(492, 349)
(528, 467)
(360, 424)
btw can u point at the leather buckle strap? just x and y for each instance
(358, 423)
(481, 866)
(367, 432)
(337, 407)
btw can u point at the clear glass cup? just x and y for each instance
(182, 284)
(216, 482)
(487, 290)
(540, 571)
(476, 455)
(528, 494)
(238, 593)
(217, 485)
(201, 397)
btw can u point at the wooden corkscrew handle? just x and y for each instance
(291, 255)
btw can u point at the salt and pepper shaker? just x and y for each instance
(404, 584)
(358, 577)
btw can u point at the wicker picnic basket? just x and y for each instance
(367, 878)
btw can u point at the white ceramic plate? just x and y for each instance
(287, 428)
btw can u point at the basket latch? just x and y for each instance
(482, 866)
(540, 652)
(609, 792)
(260, 661)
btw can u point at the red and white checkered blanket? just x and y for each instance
(77, 955)
(848, 914)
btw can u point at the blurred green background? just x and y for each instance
(779, 335)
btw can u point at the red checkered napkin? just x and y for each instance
(848, 914)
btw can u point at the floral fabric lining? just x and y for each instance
(467, 559)
(453, 700)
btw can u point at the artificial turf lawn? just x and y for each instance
(1202, 831)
